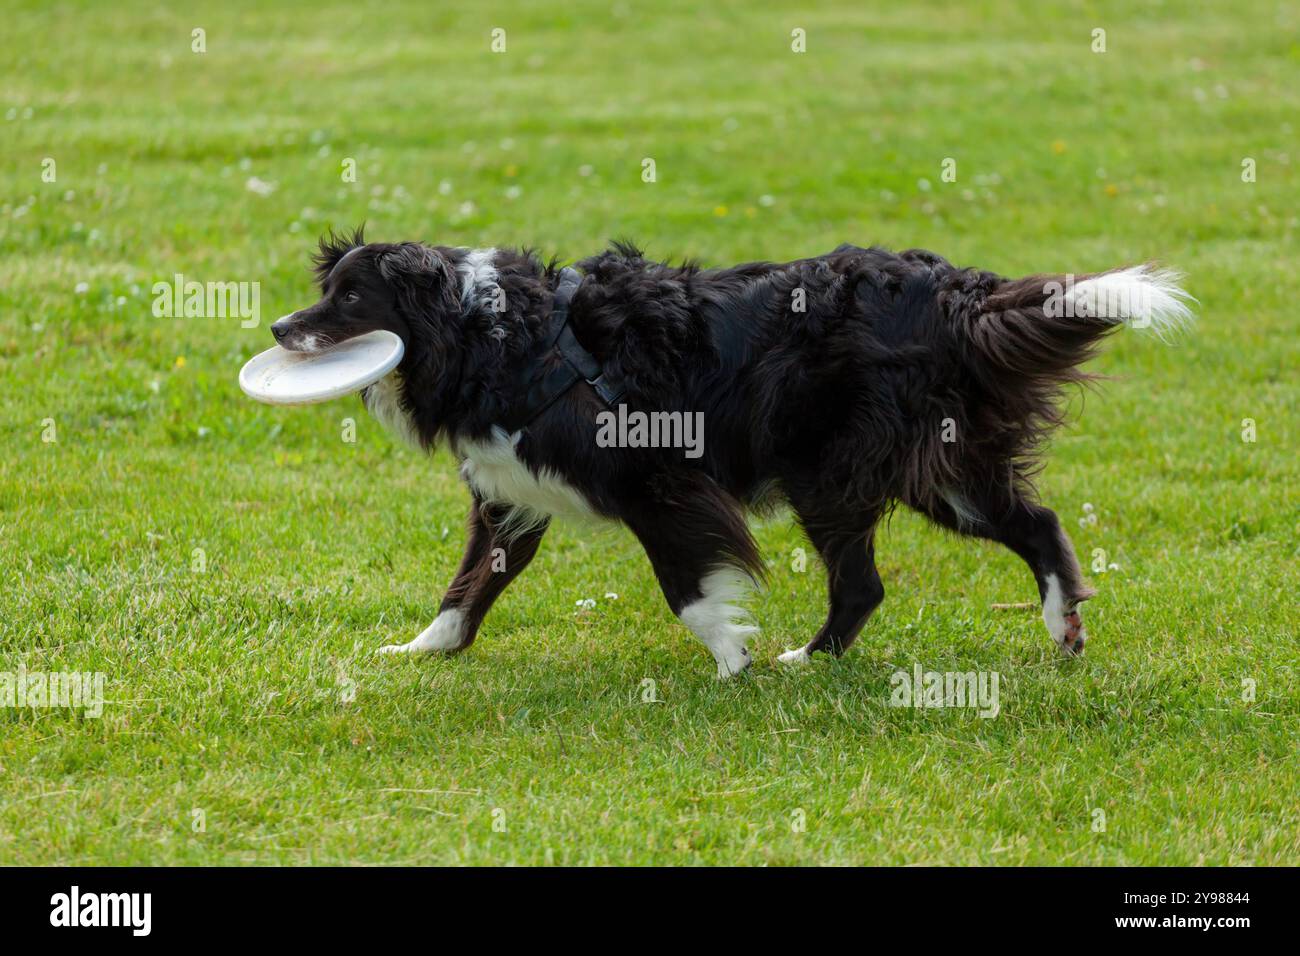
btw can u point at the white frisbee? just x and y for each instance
(280, 377)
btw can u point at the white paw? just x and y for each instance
(1073, 637)
(1063, 623)
(409, 648)
(732, 659)
(719, 622)
(799, 655)
(446, 633)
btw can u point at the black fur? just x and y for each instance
(842, 409)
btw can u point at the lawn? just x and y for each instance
(231, 567)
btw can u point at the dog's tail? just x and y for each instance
(1044, 327)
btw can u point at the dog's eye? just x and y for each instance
(351, 297)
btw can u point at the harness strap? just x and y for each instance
(576, 364)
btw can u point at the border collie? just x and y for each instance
(841, 384)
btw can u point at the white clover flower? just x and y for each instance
(260, 186)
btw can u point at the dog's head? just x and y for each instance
(403, 288)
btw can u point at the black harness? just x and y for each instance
(546, 379)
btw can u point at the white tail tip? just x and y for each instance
(1142, 297)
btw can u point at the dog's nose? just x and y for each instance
(280, 328)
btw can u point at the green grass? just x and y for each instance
(227, 689)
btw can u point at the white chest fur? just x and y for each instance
(496, 474)
(384, 401)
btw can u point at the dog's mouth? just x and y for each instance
(306, 342)
(293, 335)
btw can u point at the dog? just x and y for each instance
(842, 384)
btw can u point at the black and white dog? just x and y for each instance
(841, 384)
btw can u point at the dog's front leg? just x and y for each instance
(495, 553)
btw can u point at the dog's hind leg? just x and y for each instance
(705, 560)
(495, 553)
(1035, 534)
(854, 585)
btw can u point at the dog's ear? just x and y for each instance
(422, 278)
(334, 247)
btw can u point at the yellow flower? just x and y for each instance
(719, 210)
(1112, 189)
(180, 361)
(1058, 147)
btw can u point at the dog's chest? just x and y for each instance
(383, 401)
(496, 474)
(491, 466)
